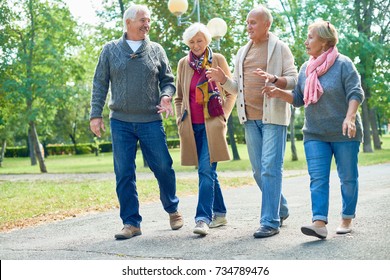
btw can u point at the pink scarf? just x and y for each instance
(315, 69)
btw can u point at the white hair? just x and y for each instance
(262, 10)
(194, 29)
(131, 13)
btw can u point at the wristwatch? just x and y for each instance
(276, 78)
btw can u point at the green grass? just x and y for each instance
(30, 203)
(103, 163)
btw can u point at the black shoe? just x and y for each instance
(282, 219)
(264, 231)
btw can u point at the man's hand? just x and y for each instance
(95, 125)
(216, 75)
(165, 106)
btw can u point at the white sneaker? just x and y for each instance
(218, 221)
(201, 228)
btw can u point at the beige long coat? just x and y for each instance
(216, 127)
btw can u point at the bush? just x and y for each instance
(69, 149)
(173, 143)
(16, 152)
(105, 147)
(83, 149)
(60, 149)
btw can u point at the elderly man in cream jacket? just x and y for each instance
(263, 60)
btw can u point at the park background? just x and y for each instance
(47, 61)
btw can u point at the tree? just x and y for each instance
(369, 15)
(294, 33)
(43, 37)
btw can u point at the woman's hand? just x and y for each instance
(349, 127)
(270, 91)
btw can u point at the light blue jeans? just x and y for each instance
(319, 159)
(266, 144)
(210, 199)
(152, 139)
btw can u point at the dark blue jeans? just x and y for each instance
(152, 139)
(210, 199)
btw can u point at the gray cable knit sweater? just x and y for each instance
(138, 81)
(324, 119)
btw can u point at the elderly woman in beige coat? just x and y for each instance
(202, 110)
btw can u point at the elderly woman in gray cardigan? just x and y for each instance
(263, 59)
(329, 88)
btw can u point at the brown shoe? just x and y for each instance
(176, 220)
(128, 231)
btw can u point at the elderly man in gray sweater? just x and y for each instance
(142, 85)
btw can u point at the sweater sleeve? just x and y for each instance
(101, 82)
(299, 88)
(231, 84)
(167, 81)
(351, 81)
(289, 69)
(230, 97)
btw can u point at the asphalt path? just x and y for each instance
(91, 236)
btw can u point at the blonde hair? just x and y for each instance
(326, 31)
(194, 29)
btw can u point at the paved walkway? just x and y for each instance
(90, 237)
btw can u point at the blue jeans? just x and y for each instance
(210, 199)
(266, 144)
(152, 139)
(319, 159)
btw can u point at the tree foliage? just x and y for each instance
(38, 60)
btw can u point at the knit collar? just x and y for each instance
(141, 49)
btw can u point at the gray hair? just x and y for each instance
(131, 13)
(194, 29)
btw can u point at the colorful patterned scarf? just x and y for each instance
(204, 89)
(315, 69)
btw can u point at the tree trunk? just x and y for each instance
(37, 147)
(122, 6)
(2, 152)
(375, 132)
(294, 155)
(232, 140)
(30, 141)
(367, 148)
